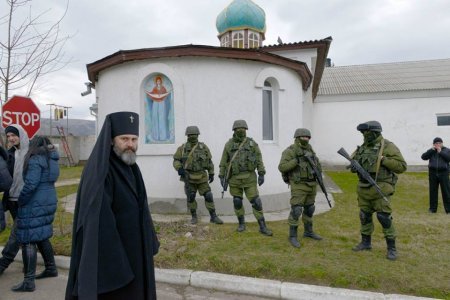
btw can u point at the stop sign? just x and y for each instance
(22, 110)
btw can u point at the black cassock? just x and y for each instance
(114, 240)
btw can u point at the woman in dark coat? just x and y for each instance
(37, 206)
(5, 183)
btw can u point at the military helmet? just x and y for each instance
(370, 126)
(192, 130)
(240, 124)
(302, 132)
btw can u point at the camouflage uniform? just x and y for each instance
(197, 168)
(299, 174)
(241, 174)
(389, 163)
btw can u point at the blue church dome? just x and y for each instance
(241, 14)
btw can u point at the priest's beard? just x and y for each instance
(128, 156)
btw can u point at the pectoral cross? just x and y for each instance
(131, 119)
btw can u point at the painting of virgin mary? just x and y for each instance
(159, 121)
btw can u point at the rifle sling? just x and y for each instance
(227, 175)
(189, 155)
(380, 154)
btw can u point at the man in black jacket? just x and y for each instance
(438, 158)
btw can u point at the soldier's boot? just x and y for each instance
(194, 219)
(29, 256)
(214, 218)
(46, 250)
(293, 236)
(263, 228)
(241, 226)
(310, 233)
(391, 250)
(365, 244)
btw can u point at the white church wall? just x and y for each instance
(210, 93)
(408, 122)
(304, 55)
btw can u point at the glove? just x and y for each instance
(222, 181)
(181, 172)
(260, 180)
(211, 178)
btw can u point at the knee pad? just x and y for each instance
(237, 202)
(385, 219)
(296, 212)
(366, 218)
(257, 204)
(191, 197)
(309, 210)
(208, 197)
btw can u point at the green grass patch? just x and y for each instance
(70, 172)
(423, 244)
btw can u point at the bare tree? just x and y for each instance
(30, 47)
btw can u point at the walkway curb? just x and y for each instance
(253, 286)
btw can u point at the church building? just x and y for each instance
(276, 89)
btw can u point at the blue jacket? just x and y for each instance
(38, 201)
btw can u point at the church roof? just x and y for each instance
(241, 14)
(322, 46)
(124, 56)
(386, 77)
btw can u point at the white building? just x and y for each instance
(276, 89)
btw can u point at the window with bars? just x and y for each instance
(225, 41)
(238, 40)
(253, 40)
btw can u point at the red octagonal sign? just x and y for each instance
(22, 110)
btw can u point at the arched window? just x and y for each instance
(226, 40)
(267, 112)
(238, 40)
(253, 40)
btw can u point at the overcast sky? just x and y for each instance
(363, 31)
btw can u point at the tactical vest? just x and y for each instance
(246, 159)
(198, 161)
(303, 172)
(367, 157)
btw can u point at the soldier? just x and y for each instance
(383, 161)
(241, 157)
(192, 160)
(297, 171)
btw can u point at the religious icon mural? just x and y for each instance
(159, 114)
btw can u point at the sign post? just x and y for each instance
(22, 110)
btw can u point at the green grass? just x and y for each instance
(70, 172)
(423, 244)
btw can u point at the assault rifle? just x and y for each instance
(318, 176)
(363, 173)
(225, 184)
(187, 190)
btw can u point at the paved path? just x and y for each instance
(186, 284)
(54, 289)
